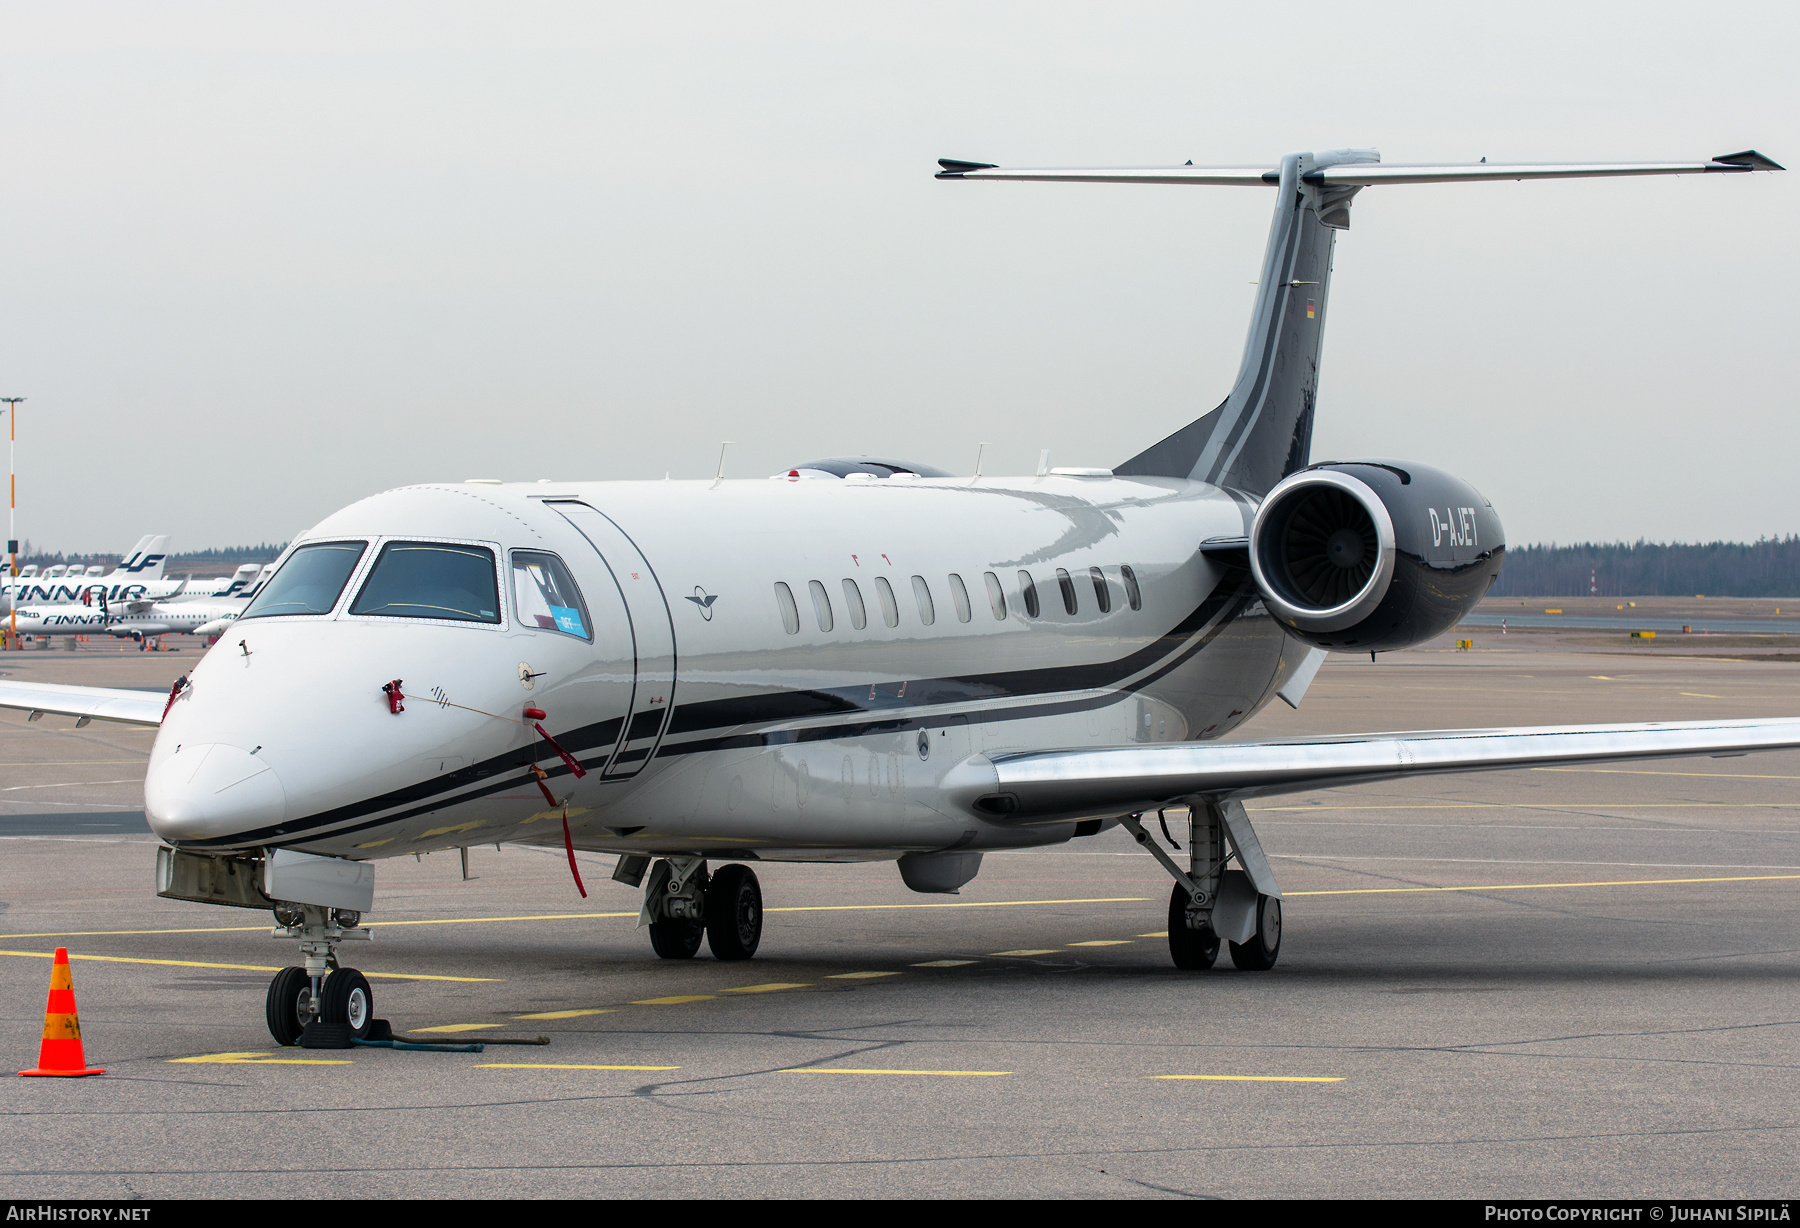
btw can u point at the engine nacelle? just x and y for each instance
(1367, 556)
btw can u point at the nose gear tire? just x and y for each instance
(1194, 950)
(734, 913)
(346, 999)
(1264, 947)
(288, 1009)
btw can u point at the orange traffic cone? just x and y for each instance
(60, 1055)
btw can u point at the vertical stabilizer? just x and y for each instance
(1263, 430)
(145, 562)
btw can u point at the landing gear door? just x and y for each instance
(652, 633)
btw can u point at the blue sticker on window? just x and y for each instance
(568, 620)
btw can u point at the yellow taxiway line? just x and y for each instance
(560, 1066)
(1254, 1078)
(260, 1059)
(1629, 882)
(1644, 772)
(189, 963)
(414, 976)
(576, 916)
(983, 1074)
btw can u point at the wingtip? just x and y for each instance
(1749, 159)
(954, 169)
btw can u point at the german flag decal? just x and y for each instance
(1312, 310)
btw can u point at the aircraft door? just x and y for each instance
(652, 633)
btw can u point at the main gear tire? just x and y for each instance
(1264, 948)
(734, 913)
(676, 937)
(1194, 950)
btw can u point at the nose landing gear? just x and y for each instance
(682, 904)
(320, 1005)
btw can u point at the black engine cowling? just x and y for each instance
(1367, 556)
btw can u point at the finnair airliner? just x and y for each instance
(135, 576)
(856, 661)
(144, 619)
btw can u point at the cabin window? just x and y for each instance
(1028, 591)
(859, 617)
(790, 613)
(431, 580)
(1101, 593)
(545, 596)
(996, 595)
(922, 594)
(821, 604)
(890, 609)
(960, 595)
(310, 582)
(1132, 593)
(1068, 589)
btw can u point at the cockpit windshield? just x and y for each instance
(309, 582)
(431, 580)
(545, 596)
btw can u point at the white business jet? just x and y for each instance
(858, 661)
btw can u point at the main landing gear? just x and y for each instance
(1212, 904)
(683, 903)
(320, 1005)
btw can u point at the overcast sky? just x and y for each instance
(257, 260)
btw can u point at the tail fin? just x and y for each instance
(145, 562)
(1263, 431)
(242, 579)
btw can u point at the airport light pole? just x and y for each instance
(12, 513)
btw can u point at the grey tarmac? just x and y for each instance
(1568, 983)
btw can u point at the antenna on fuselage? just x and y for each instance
(720, 475)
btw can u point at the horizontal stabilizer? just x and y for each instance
(1247, 176)
(1043, 786)
(1360, 174)
(1750, 159)
(1262, 431)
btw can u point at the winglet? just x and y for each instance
(956, 170)
(1749, 159)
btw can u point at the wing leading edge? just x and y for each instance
(1358, 174)
(86, 703)
(1059, 785)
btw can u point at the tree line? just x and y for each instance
(262, 552)
(1769, 567)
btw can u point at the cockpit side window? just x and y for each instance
(310, 582)
(431, 580)
(545, 596)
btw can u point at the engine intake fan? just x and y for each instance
(1322, 551)
(1370, 555)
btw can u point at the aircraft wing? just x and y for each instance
(1053, 785)
(87, 703)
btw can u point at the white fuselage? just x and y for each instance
(182, 616)
(706, 721)
(39, 592)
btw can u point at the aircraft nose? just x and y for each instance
(210, 790)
